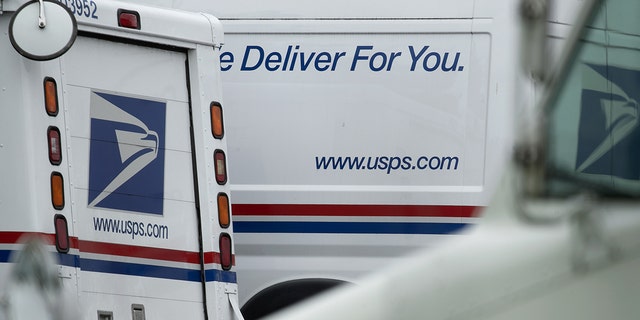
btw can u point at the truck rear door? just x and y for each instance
(133, 193)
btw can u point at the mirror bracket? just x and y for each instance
(590, 249)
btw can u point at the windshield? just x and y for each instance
(593, 137)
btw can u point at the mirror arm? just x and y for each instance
(528, 152)
(534, 14)
(42, 21)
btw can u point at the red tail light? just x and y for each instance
(128, 19)
(55, 147)
(62, 233)
(226, 256)
(220, 166)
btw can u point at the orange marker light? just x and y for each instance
(50, 96)
(224, 216)
(217, 127)
(57, 191)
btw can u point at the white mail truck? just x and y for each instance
(113, 150)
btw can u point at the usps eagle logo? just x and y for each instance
(609, 134)
(126, 156)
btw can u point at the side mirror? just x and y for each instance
(42, 30)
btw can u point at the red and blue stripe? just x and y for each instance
(93, 256)
(321, 218)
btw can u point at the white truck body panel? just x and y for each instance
(297, 217)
